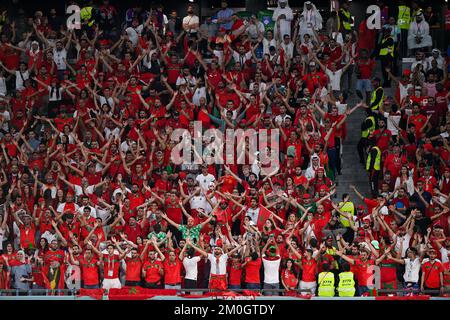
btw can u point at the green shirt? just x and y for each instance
(306, 206)
(160, 236)
(193, 233)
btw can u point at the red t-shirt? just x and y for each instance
(111, 263)
(172, 271)
(252, 271)
(235, 274)
(27, 236)
(309, 270)
(365, 272)
(152, 271)
(89, 271)
(431, 273)
(173, 211)
(133, 269)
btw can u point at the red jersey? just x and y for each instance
(89, 271)
(172, 271)
(431, 272)
(252, 271)
(111, 266)
(365, 271)
(152, 270)
(309, 270)
(134, 266)
(235, 274)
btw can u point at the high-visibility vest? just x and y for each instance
(377, 164)
(347, 207)
(368, 131)
(387, 50)
(374, 96)
(404, 17)
(86, 15)
(346, 24)
(326, 284)
(346, 286)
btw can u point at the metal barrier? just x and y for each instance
(200, 291)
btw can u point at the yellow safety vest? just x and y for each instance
(404, 17)
(86, 15)
(348, 207)
(387, 50)
(346, 287)
(377, 164)
(374, 96)
(326, 284)
(347, 25)
(367, 132)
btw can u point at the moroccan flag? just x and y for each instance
(264, 214)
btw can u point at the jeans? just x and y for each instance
(271, 286)
(92, 286)
(234, 286)
(362, 290)
(132, 283)
(253, 286)
(363, 85)
(176, 286)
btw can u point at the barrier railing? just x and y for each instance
(264, 292)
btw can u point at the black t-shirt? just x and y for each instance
(423, 223)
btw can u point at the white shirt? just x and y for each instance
(335, 79)
(412, 268)
(109, 101)
(3, 89)
(2, 232)
(54, 94)
(190, 266)
(5, 116)
(267, 44)
(108, 132)
(241, 59)
(288, 49)
(342, 108)
(20, 79)
(190, 80)
(79, 190)
(391, 119)
(93, 211)
(199, 92)
(198, 202)
(205, 181)
(190, 21)
(253, 214)
(406, 238)
(48, 236)
(444, 254)
(134, 33)
(271, 270)
(58, 57)
(221, 267)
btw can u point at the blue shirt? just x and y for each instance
(225, 14)
(17, 272)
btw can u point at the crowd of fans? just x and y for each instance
(88, 182)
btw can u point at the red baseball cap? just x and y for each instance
(306, 196)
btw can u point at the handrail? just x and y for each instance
(73, 292)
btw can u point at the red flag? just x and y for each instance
(264, 214)
(93, 293)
